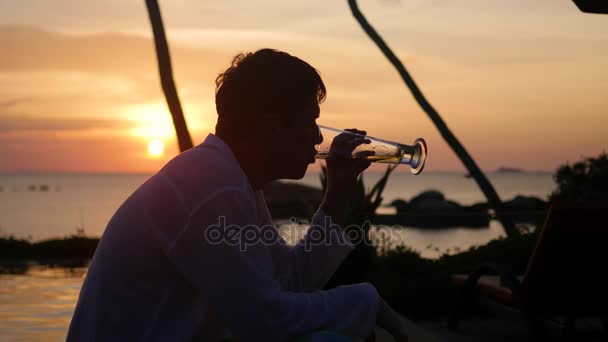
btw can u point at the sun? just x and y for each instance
(156, 148)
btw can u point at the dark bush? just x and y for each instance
(585, 180)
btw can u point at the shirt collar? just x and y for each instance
(213, 140)
(216, 142)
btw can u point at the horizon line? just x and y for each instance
(147, 173)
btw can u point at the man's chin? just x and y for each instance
(296, 174)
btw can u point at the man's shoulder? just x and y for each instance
(202, 171)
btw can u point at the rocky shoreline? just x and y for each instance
(430, 209)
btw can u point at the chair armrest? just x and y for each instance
(470, 290)
(507, 279)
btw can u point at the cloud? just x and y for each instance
(88, 154)
(9, 103)
(471, 74)
(36, 49)
(18, 124)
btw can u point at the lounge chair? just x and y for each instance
(565, 279)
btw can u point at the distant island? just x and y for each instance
(509, 170)
(501, 170)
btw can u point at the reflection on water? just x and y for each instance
(433, 243)
(430, 243)
(38, 304)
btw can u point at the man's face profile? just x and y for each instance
(296, 142)
(267, 104)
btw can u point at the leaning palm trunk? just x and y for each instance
(166, 76)
(483, 182)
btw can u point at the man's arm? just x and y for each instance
(235, 276)
(312, 262)
(308, 265)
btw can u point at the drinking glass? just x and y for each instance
(384, 151)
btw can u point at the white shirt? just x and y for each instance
(161, 271)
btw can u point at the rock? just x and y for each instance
(432, 200)
(526, 208)
(435, 205)
(400, 205)
(428, 195)
(525, 202)
(430, 209)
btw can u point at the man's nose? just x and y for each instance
(319, 137)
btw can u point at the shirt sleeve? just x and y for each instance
(219, 253)
(309, 264)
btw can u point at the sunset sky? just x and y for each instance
(521, 83)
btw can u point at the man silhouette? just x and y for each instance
(192, 254)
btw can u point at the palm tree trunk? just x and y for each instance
(482, 181)
(166, 76)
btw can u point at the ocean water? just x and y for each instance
(38, 305)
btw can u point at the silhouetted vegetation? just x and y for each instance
(72, 250)
(584, 180)
(420, 288)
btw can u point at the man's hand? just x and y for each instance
(342, 172)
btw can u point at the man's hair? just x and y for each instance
(266, 83)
